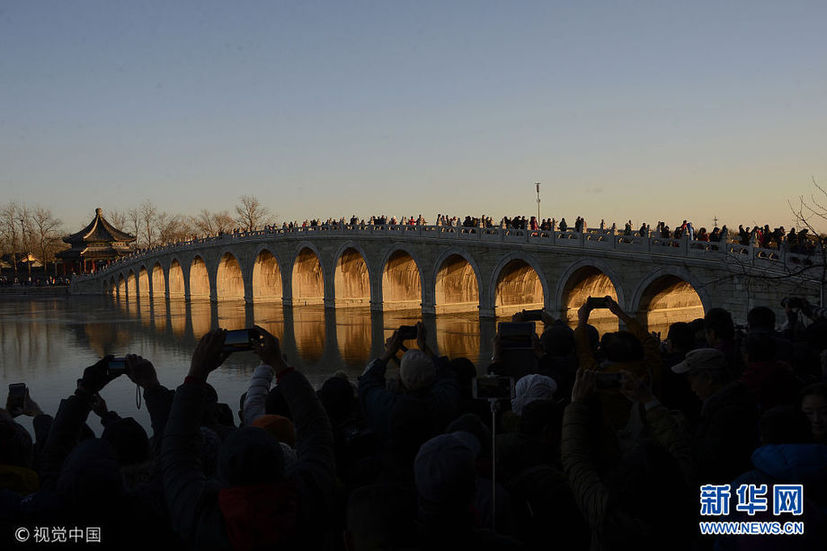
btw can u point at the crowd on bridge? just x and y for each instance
(605, 443)
(802, 242)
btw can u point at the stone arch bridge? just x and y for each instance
(451, 269)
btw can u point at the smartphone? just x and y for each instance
(493, 388)
(407, 332)
(597, 302)
(532, 315)
(239, 340)
(116, 366)
(516, 335)
(608, 380)
(17, 394)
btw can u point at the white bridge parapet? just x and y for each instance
(453, 268)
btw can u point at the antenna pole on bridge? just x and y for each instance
(538, 202)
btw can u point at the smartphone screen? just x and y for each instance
(17, 394)
(238, 340)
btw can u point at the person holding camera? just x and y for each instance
(422, 375)
(634, 350)
(82, 477)
(255, 502)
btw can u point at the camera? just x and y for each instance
(407, 332)
(240, 340)
(608, 380)
(516, 335)
(17, 394)
(493, 388)
(116, 366)
(597, 302)
(532, 315)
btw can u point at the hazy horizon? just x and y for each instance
(645, 111)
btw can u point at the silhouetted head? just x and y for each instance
(129, 440)
(444, 471)
(758, 347)
(416, 370)
(337, 395)
(681, 337)
(279, 426)
(276, 404)
(558, 339)
(719, 326)
(784, 425)
(15, 443)
(530, 388)
(621, 346)
(465, 372)
(249, 456)
(761, 318)
(814, 406)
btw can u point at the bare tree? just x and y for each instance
(223, 222)
(133, 222)
(9, 231)
(212, 223)
(149, 217)
(172, 228)
(46, 229)
(250, 213)
(808, 213)
(117, 218)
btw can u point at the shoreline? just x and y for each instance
(34, 291)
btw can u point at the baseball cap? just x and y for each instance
(701, 358)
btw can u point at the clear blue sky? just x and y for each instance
(642, 110)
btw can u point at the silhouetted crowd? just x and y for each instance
(603, 444)
(38, 280)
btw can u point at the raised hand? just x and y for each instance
(392, 346)
(97, 376)
(141, 371)
(584, 385)
(99, 405)
(208, 354)
(30, 407)
(268, 349)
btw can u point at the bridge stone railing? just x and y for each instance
(593, 239)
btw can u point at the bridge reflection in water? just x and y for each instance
(313, 337)
(323, 340)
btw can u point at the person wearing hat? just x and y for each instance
(421, 375)
(726, 433)
(446, 482)
(255, 503)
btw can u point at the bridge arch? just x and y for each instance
(158, 281)
(143, 281)
(401, 280)
(584, 278)
(229, 279)
(668, 295)
(131, 285)
(121, 288)
(199, 278)
(307, 281)
(177, 286)
(267, 280)
(457, 282)
(351, 278)
(518, 282)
